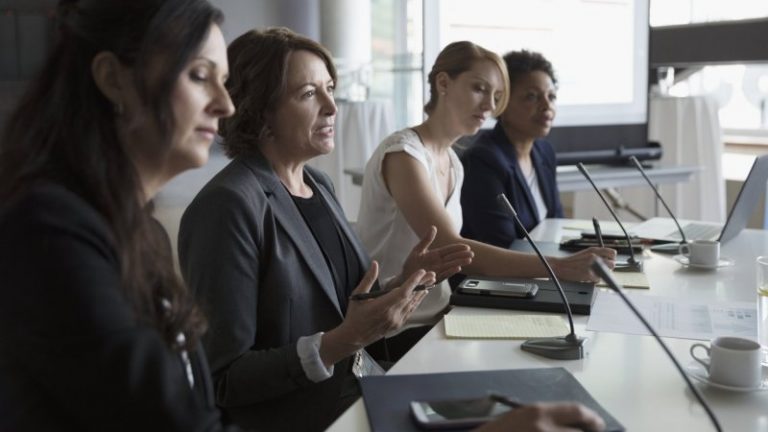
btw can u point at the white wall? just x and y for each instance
(243, 15)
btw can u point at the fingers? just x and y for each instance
(572, 414)
(368, 279)
(426, 241)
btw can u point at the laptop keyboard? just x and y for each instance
(695, 231)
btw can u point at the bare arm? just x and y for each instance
(408, 183)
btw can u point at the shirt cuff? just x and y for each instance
(308, 348)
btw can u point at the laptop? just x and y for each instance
(753, 189)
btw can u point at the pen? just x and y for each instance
(505, 400)
(598, 233)
(379, 293)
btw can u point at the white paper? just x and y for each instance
(673, 317)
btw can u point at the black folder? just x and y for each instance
(580, 296)
(387, 398)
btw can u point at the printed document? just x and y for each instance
(673, 317)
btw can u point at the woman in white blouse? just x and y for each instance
(414, 178)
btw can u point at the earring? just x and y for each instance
(118, 107)
(442, 93)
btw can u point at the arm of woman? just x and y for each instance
(78, 353)
(408, 184)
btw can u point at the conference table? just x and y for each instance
(629, 375)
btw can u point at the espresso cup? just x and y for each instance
(702, 252)
(731, 361)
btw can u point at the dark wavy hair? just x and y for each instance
(523, 62)
(457, 58)
(258, 63)
(64, 130)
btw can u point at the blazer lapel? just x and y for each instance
(289, 217)
(508, 150)
(543, 174)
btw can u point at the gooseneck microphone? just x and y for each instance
(569, 347)
(601, 270)
(671, 248)
(632, 263)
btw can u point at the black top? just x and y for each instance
(338, 252)
(73, 354)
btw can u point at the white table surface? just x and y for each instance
(629, 375)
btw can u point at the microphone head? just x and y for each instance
(505, 205)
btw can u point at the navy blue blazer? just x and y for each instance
(490, 168)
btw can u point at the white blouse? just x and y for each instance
(383, 229)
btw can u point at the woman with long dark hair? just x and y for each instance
(98, 331)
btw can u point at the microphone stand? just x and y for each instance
(601, 270)
(569, 347)
(670, 248)
(632, 263)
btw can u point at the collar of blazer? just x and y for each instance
(288, 216)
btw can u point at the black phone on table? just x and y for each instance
(456, 413)
(498, 287)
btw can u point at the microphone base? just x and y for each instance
(628, 267)
(569, 347)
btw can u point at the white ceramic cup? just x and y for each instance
(732, 361)
(702, 252)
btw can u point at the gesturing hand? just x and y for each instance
(369, 320)
(443, 261)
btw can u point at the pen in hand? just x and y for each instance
(379, 293)
(598, 232)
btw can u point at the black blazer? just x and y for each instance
(262, 279)
(490, 168)
(73, 356)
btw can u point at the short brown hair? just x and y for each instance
(459, 57)
(258, 63)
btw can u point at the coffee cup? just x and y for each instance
(702, 252)
(731, 361)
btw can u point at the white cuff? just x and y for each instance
(308, 348)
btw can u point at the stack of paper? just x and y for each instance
(504, 326)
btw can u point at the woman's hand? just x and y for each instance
(369, 320)
(443, 261)
(559, 417)
(577, 267)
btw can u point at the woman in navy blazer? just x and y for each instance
(513, 159)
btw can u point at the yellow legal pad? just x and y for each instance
(504, 326)
(629, 280)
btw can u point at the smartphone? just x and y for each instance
(498, 287)
(456, 413)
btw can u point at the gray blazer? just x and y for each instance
(263, 282)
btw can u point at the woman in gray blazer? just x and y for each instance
(267, 250)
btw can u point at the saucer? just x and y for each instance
(724, 262)
(699, 373)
